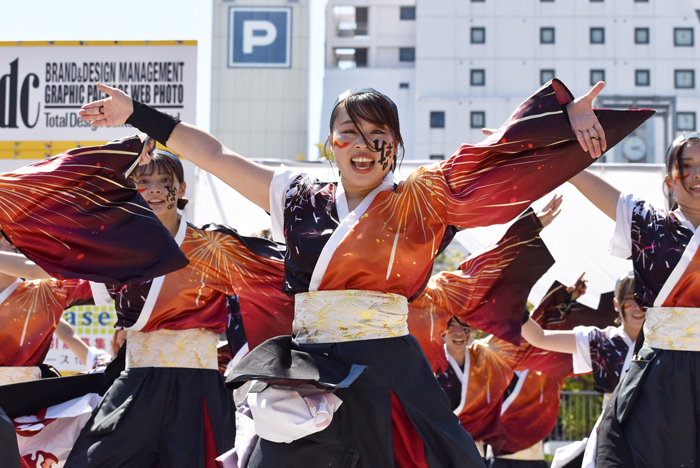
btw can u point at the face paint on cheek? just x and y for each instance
(141, 190)
(171, 197)
(384, 156)
(337, 144)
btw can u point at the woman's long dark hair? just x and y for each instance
(674, 160)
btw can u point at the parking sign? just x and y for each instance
(260, 37)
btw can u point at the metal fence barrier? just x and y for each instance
(578, 412)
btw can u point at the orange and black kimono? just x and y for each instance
(488, 292)
(170, 405)
(354, 272)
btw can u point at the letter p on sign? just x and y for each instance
(250, 39)
(259, 37)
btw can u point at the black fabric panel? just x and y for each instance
(154, 417)
(282, 358)
(27, 398)
(9, 452)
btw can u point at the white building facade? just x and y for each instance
(474, 61)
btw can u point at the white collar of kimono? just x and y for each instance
(10, 289)
(341, 201)
(683, 264)
(463, 376)
(156, 285)
(347, 220)
(522, 375)
(683, 220)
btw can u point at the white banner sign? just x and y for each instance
(43, 85)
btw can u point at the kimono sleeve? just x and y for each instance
(532, 153)
(252, 268)
(77, 292)
(489, 291)
(77, 216)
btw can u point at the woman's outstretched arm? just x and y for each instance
(552, 340)
(250, 179)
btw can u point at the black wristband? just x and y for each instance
(158, 125)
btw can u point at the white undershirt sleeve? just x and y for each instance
(621, 242)
(278, 190)
(582, 357)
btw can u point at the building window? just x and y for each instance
(403, 85)
(478, 1)
(642, 78)
(407, 54)
(546, 76)
(351, 21)
(597, 35)
(546, 1)
(347, 58)
(478, 119)
(478, 35)
(641, 1)
(685, 79)
(546, 35)
(437, 119)
(685, 121)
(477, 77)
(437, 157)
(596, 1)
(408, 13)
(641, 35)
(596, 76)
(683, 37)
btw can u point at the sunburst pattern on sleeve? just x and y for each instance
(77, 216)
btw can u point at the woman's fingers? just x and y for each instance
(595, 143)
(601, 134)
(595, 90)
(581, 140)
(589, 143)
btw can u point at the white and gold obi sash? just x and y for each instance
(11, 375)
(674, 328)
(335, 316)
(194, 348)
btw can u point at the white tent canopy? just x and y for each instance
(578, 238)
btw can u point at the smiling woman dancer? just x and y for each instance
(358, 250)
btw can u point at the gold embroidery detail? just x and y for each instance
(333, 316)
(11, 375)
(673, 328)
(192, 348)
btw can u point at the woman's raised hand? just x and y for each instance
(109, 112)
(547, 214)
(585, 124)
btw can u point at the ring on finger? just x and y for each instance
(595, 138)
(101, 110)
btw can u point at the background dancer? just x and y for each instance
(170, 408)
(651, 420)
(368, 244)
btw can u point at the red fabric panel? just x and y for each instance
(210, 452)
(409, 451)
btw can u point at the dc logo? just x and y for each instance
(259, 37)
